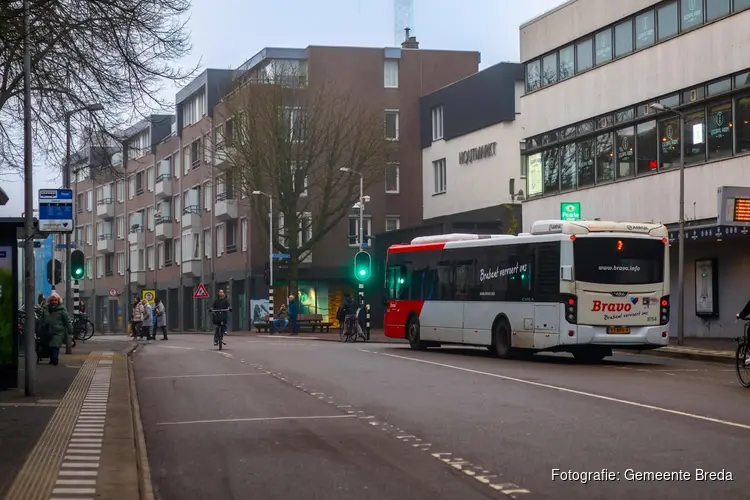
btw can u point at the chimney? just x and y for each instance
(410, 42)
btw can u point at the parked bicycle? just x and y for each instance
(741, 357)
(83, 328)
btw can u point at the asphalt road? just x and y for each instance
(281, 418)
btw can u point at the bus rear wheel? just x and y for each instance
(501, 344)
(412, 335)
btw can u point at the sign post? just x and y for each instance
(56, 210)
(570, 210)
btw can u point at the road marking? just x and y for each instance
(257, 419)
(205, 375)
(572, 391)
(176, 347)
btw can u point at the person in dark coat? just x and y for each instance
(54, 325)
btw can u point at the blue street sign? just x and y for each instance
(56, 210)
(61, 246)
(281, 255)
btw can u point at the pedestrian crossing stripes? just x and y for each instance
(79, 471)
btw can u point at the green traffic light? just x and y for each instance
(362, 272)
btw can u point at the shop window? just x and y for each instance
(695, 136)
(624, 115)
(692, 14)
(645, 34)
(645, 146)
(624, 38)
(625, 152)
(603, 41)
(550, 161)
(720, 86)
(586, 163)
(719, 130)
(667, 21)
(605, 165)
(568, 167)
(669, 140)
(742, 123)
(742, 80)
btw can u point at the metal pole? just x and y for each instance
(28, 169)
(361, 212)
(681, 250)
(66, 184)
(270, 258)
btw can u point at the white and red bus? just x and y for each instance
(582, 287)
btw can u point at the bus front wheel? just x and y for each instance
(501, 344)
(412, 335)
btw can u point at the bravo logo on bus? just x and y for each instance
(598, 305)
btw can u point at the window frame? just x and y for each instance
(386, 114)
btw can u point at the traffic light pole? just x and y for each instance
(66, 184)
(270, 259)
(361, 232)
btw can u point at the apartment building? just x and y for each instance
(181, 222)
(598, 78)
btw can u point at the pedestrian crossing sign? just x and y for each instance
(200, 292)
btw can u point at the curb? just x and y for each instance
(694, 356)
(144, 477)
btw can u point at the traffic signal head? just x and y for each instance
(77, 270)
(362, 266)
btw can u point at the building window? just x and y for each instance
(243, 234)
(168, 254)
(139, 183)
(150, 219)
(100, 266)
(584, 55)
(392, 178)
(89, 200)
(645, 34)
(624, 38)
(207, 198)
(354, 230)
(605, 164)
(743, 127)
(207, 244)
(586, 157)
(567, 61)
(603, 41)
(186, 160)
(719, 87)
(669, 133)
(176, 251)
(231, 234)
(741, 5)
(109, 264)
(549, 69)
(440, 175)
(195, 153)
(220, 239)
(391, 124)
(695, 136)
(646, 147)
(666, 17)
(568, 174)
(120, 227)
(625, 152)
(692, 14)
(150, 178)
(392, 223)
(89, 234)
(151, 257)
(304, 231)
(88, 268)
(121, 263)
(532, 75)
(437, 123)
(390, 70)
(79, 203)
(550, 169)
(302, 190)
(294, 118)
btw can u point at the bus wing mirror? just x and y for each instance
(566, 273)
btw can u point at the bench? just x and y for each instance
(312, 321)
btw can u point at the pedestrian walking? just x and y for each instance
(293, 315)
(136, 317)
(161, 319)
(54, 326)
(148, 319)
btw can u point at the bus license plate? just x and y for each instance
(618, 330)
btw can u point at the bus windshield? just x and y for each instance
(619, 261)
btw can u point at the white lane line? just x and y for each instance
(571, 391)
(206, 375)
(176, 347)
(258, 419)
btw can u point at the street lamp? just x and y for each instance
(361, 235)
(681, 238)
(270, 252)
(66, 182)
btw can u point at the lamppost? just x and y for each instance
(66, 182)
(270, 252)
(361, 235)
(681, 238)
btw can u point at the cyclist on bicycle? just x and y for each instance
(743, 315)
(220, 318)
(350, 308)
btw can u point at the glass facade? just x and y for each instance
(639, 31)
(639, 140)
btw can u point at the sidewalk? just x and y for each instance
(716, 350)
(75, 439)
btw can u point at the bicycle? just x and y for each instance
(741, 356)
(220, 325)
(83, 328)
(351, 331)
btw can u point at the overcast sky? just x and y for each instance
(225, 33)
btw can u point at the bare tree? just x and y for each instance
(291, 141)
(118, 53)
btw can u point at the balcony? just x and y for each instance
(163, 187)
(192, 268)
(226, 207)
(137, 235)
(105, 243)
(191, 218)
(105, 209)
(163, 228)
(138, 278)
